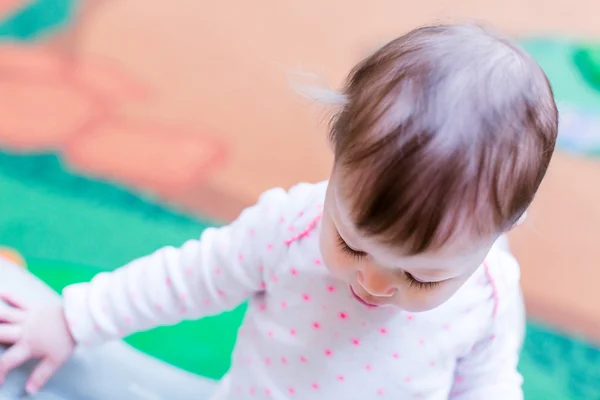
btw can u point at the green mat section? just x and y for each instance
(556, 56)
(37, 18)
(70, 227)
(54, 215)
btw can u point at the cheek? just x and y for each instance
(335, 260)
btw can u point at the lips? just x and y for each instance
(360, 299)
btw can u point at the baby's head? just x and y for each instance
(440, 147)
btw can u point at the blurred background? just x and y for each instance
(126, 125)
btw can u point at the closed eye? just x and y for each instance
(349, 250)
(413, 282)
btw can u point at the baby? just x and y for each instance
(384, 281)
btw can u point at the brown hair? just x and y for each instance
(445, 129)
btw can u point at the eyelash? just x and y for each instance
(412, 282)
(357, 255)
(349, 250)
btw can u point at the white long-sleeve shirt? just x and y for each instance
(304, 335)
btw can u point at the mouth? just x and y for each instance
(360, 299)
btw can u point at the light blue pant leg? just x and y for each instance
(112, 372)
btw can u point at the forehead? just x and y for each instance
(449, 260)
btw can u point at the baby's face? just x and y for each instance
(382, 276)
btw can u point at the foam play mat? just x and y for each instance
(113, 104)
(69, 227)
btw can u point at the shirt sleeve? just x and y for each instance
(203, 277)
(489, 371)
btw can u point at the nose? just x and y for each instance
(376, 283)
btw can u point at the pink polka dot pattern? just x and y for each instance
(305, 336)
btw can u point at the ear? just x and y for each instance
(521, 219)
(519, 222)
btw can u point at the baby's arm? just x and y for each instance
(490, 370)
(203, 277)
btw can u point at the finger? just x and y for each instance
(13, 301)
(12, 358)
(41, 375)
(10, 333)
(11, 315)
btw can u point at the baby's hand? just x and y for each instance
(34, 333)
